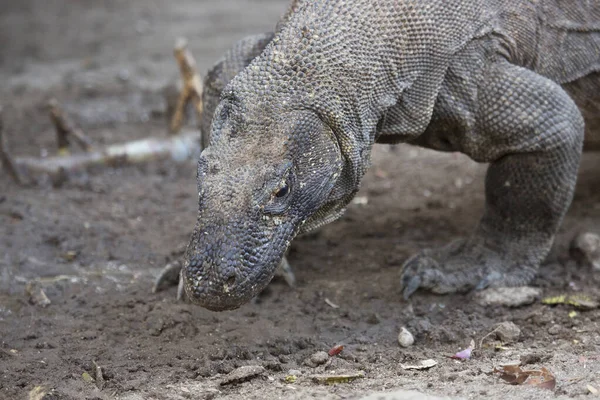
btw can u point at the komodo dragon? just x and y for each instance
(295, 114)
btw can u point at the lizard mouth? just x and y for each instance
(228, 291)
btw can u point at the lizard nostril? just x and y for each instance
(230, 281)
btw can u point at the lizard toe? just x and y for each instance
(420, 271)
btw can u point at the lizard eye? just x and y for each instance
(280, 197)
(283, 191)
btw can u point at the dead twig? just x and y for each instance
(192, 86)
(6, 159)
(178, 148)
(65, 129)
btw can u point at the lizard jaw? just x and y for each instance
(227, 287)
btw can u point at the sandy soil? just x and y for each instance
(99, 240)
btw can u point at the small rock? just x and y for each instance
(123, 75)
(242, 374)
(421, 326)
(534, 358)
(360, 200)
(554, 329)
(508, 296)
(508, 332)
(585, 249)
(36, 294)
(405, 338)
(319, 358)
(295, 372)
(374, 319)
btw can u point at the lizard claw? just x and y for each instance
(285, 271)
(410, 286)
(180, 289)
(168, 276)
(488, 280)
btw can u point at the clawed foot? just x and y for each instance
(462, 266)
(171, 275)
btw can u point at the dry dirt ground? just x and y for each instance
(99, 240)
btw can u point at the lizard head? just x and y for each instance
(259, 181)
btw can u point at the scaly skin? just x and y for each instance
(291, 135)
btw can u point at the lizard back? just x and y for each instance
(568, 42)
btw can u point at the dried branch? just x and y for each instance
(178, 148)
(65, 129)
(192, 86)
(5, 157)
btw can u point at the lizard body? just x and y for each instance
(293, 116)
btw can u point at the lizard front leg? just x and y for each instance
(531, 132)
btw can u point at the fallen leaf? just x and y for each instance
(514, 375)
(87, 377)
(335, 350)
(423, 364)
(466, 353)
(544, 380)
(577, 300)
(339, 378)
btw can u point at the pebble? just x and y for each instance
(36, 294)
(319, 358)
(585, 249)
(554, 329)
(405, 338)
(295, 372)
(508, 296)
(508, 332)
(242, 374)
(534, 358)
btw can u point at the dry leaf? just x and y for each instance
(466, 353)
(577, 300)
(339, 378)
(423, 364)
(514, 375)
(335, 350)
